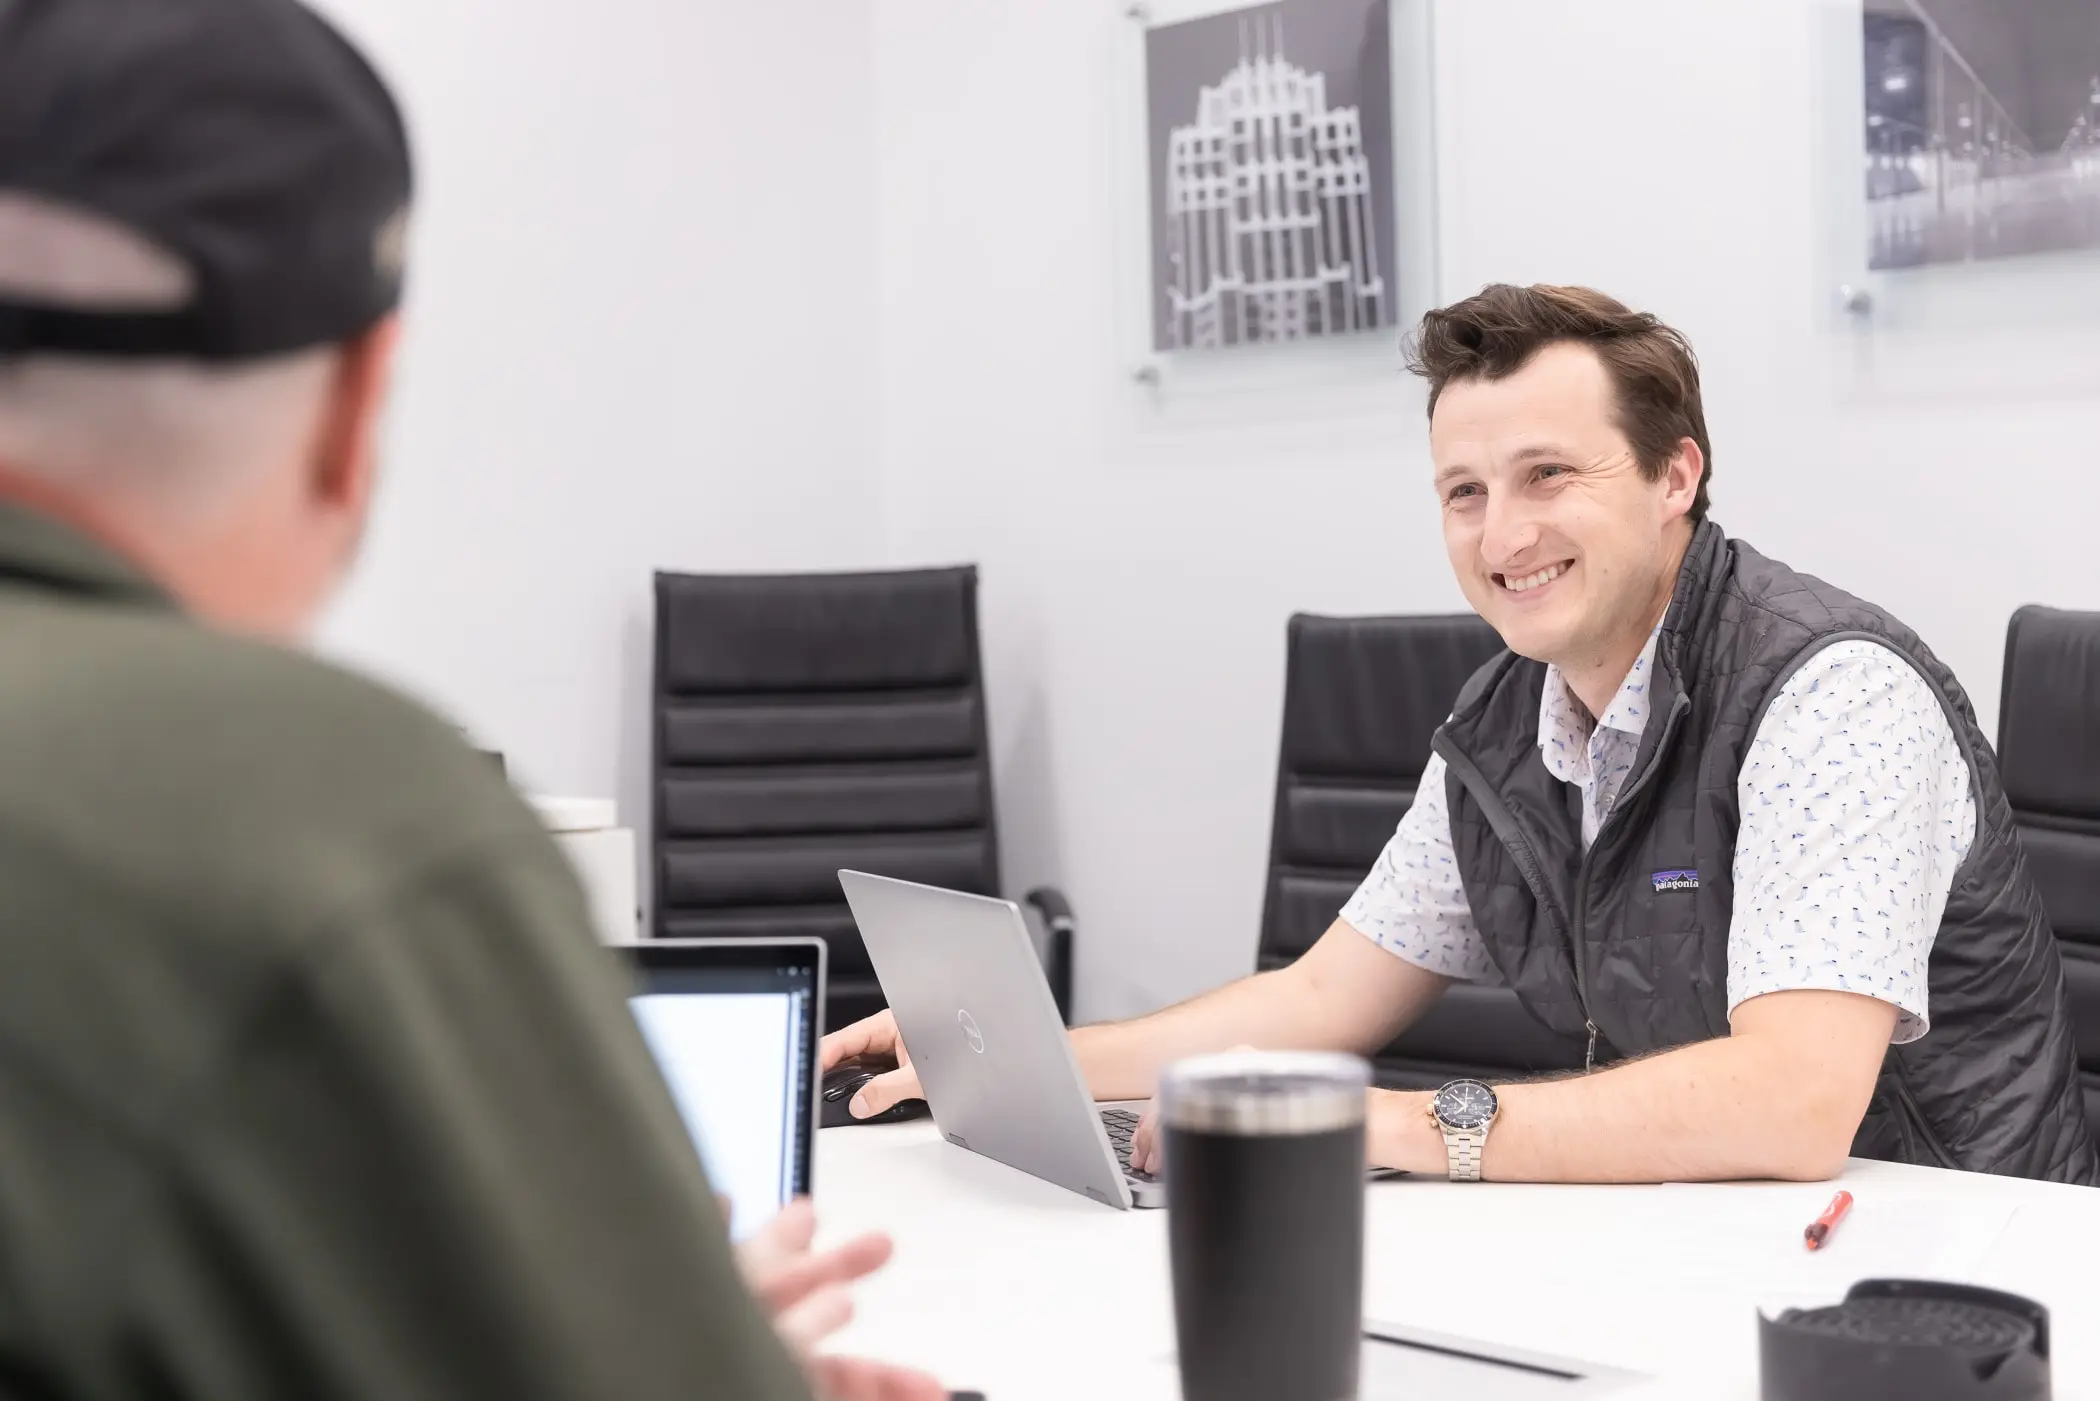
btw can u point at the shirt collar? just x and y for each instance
(1564, 723)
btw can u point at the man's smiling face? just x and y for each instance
(1557, 537)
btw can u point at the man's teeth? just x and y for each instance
(1532, 581)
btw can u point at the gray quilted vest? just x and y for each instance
(1603, 949)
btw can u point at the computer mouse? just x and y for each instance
(843, 1081)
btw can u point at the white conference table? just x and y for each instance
(1011, 1286)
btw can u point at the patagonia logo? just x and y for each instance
(1675, 880)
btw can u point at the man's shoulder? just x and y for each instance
(181, 696)
(168, 755)
(1806, 606)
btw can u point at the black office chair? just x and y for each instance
(1362, 699)
(809, 723)
(2049, 759)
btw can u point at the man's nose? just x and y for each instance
(1510, 530)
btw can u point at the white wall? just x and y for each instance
(1139, 569)
(641, 336)
(704, 285)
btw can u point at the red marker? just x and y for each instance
(1819, 1230)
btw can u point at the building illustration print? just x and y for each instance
(1272, 169)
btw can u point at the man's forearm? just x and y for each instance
(1344, 994)
(1721, 1109)
(1122, 1060)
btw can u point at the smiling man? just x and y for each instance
(1733, 831)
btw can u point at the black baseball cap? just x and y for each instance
(246, 138)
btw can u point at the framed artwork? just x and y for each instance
(1958, 160)
(1275, 172)
(1981, 129)
(1270, 142)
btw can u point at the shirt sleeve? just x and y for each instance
(439, 1163)
(1413, 904)
(1856, 813)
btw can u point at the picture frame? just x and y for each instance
(1931, 279)
(1233, 369)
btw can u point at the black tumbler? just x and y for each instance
(1265, 1223)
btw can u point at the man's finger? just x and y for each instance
(798, 1279)
(845, 1379)
(854, 1379)
(885, 1090)
(809, 1322)
(1141, 1142)
(900, 1384)
(876, 1035)
(780, 1240)
(841, 1379)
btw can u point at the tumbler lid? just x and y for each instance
(1263, 1093)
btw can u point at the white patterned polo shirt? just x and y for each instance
(1855, 808)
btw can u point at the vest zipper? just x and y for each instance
(1582, 877)
(1505, 827)
(1920, 1123)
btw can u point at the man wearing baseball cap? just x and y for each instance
(313, 1083)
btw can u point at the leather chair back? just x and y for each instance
(1362, 699)
(2049, 759)
(808, 723)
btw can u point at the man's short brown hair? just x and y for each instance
(1495, 333)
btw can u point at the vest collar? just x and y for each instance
(1694, 603)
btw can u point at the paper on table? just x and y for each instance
(1748, 1240)
(2044, 1248)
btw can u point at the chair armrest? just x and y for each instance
(1055, 946)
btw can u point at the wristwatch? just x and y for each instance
(1465, 1110)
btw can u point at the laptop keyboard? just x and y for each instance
(1121, 1124)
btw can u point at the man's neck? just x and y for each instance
(1595, 686)
(30, 492)
(1596, 681)
(106, 526)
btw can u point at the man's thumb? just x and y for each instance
(883, 1091)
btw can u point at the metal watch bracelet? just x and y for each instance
(1462, 1149)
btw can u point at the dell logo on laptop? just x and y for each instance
(970, 1032)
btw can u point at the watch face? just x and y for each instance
(1465, 1104)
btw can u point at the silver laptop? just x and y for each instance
(993, 1056)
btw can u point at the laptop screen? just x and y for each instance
(733, 1027)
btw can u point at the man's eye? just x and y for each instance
(1553, 469)
(1463, 491)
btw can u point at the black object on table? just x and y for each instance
(843, 1081)
(1265, 1235)
(1917, 1339)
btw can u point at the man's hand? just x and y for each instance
(804, 1292)
(1147, 1153)
(873, 1036)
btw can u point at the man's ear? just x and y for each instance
(346, 454)
(1681, 479)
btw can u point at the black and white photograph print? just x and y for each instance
(1271, 133)
(1982, 129)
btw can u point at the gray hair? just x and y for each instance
(180, 435)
